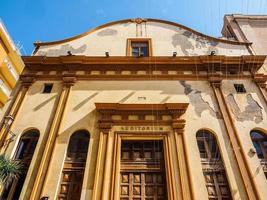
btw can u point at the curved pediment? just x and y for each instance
(166, 38)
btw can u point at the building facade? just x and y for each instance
(140, 109)
(11, 66)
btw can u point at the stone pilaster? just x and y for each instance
(14, 107)
(68, 82)
(239, 153)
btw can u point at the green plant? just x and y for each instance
(10, 170)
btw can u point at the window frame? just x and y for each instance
(44, 91)
(238, 87)
(212, 165)
(132, 40)
(259, 142)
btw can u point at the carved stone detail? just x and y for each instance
(139, 20)
(153, 112)
(261, 80)
(68, 81)
(27, 81)
(215, 80)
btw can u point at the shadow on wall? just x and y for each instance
(36, 108)
(88, 121)
(83, 102)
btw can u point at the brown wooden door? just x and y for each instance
(142, 174)
(71, 186)
(74, 166)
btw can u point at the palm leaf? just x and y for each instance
(9, 170)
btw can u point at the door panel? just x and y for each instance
(142, 174)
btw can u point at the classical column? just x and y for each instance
(235, 141)
(103, 175)
(98, 181)
(260, 80)
(185, 179)
(106, 188)
(68, 82)
(13, 109)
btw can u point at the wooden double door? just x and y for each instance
(71, 183)
(142, 174)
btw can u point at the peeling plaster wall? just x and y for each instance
(165, 40)
(81, 114)
(202, 113)
(196, 99)
(249, 112)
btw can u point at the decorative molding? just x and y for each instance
(155, 112)
(261, 80)
(38, 44)
(167, 68)
(139, 20)
(68, 61)
(68, 81)
(27, 81)
(215, 81)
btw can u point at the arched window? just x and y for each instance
(74, 165)
(259, 140)
(212, 166)
(24, 153)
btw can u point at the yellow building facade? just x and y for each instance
(11, 65)
(139, 109)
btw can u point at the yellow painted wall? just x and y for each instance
(8, 54)
(37, 109)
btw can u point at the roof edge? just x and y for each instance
(38, 44)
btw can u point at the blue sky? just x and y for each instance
(48, 20)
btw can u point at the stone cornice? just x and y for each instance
(129, 60)
(156, 68)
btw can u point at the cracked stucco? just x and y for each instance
(63, 50)
(197, 101)
(165, 39)
(252, 111)
(107, 32)
(188, 41)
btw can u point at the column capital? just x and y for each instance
(105, 125)
(27, 81)
(178, 125)
(260, 80)
(68, 81)
(215, 80)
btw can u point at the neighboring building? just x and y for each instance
(11, 65)
(140, 109)
(248, 28)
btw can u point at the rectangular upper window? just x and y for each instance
(47, 88)
(240, 88)
(139, 47)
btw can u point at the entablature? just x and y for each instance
(143, 68)
(167, 114)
